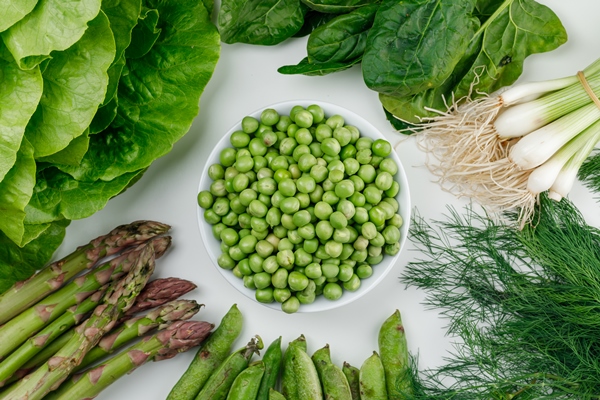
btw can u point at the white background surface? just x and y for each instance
(245, 80)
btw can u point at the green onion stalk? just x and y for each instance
(505, 149)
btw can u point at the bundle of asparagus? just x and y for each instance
(64, 319)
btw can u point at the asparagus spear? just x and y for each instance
(118, 299)
(34, 344)
(26, 293)
(160, 318)
(156, 293)
(176, 338)
(20, 328)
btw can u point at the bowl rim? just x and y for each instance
(321, 303)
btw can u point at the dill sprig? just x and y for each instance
(589, 173)
(524, 305)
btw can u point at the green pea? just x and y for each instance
(361, 243)
(375, 259)
(315, 149)
(306, 184)
(378, 241)
(317, 113)
(270, 265)
(244, 267)
(249, 282)
(244, 220)
(295, 171)
(335, 176)
(303, 199)
(216, 172)
(330, 146)
(392, 249)
(330, 197)
(369, 230)
(247, 244)
(352, 284)
(259, 162)
(264, 248)
(255, 262)
(225, 261)
(269, 117)
(249, 124)
(381, 148)
(319, 173)
(330, 270)
(384, 180)
(364, 143)
(281, 294)
(391, 234)
(322, 132)
(221, 206)
(229, 236)
(217, 229)
(338, 220)
(287, 146)
(310, 245)
(227, 156)
(389, 165)
(377, 215)
(287, 187)
(205, 199)
(217, 188)
(332, 291)
(297, 281)
(374, 251)
(316, 194)
(285, 258)
(299, 151)
(321, 254)
(294, 237)
(364, 156)
(262, 280)
(372, 195)
(278, 163)
(358, 199)
(240, 182)
(301, 218)
(324, 230)
(247, 196)
(280, 232)
(291, 130)
(333, 248)
(304, 119)
(344, 189)
(306, 162)
(388, 209)
(335, 121)
(347, 250)
(341, 235)
(291, 305)
(396, 220)
(230, 219)
(279, 279)
(269, 138)
(273, 217)
(342, 135)
(346, 272)
(264, 295)
(364, 271)
(393, 190)
(313, 270)
(257, 209)
(257, 147)
(289, 205)
(287, 222)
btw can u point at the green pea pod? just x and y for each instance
(352, 376)
(372, 379)
(246, 384)
(211, 354)
(275, 395)
(335, 384)
(273, 359)
(321, 358)
(393, 351)
(288, 380)
(220, 381)
(308, 385)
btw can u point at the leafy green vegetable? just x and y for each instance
(259, 22)
(20, 92)
(312, 20)
(75, 82)
(306, 68)
(15, 191)
(18, 263)
(337, 6)
(415, 45)
(523, 304)
(343, 38)
(87, 122)
(52, 25)
(13, 11)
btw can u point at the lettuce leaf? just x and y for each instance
(20, 93)
(75, 82)
(52, 25)
(13, 11)
(158, 95)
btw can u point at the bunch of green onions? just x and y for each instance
(504, 149)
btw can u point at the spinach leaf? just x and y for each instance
(343, 38)
(13, 11)
(15, 192)
(75, 82)
(20, 93)
(259, 21)
(414, 45)
(515, 30)
(304, 67)
(337, 6)
(18, 263)
(312, 20)
(52, 25)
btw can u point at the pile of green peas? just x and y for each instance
(303, 206)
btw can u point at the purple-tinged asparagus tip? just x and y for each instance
(159, 292)
(182, 336)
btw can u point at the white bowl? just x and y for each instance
(379, 271)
